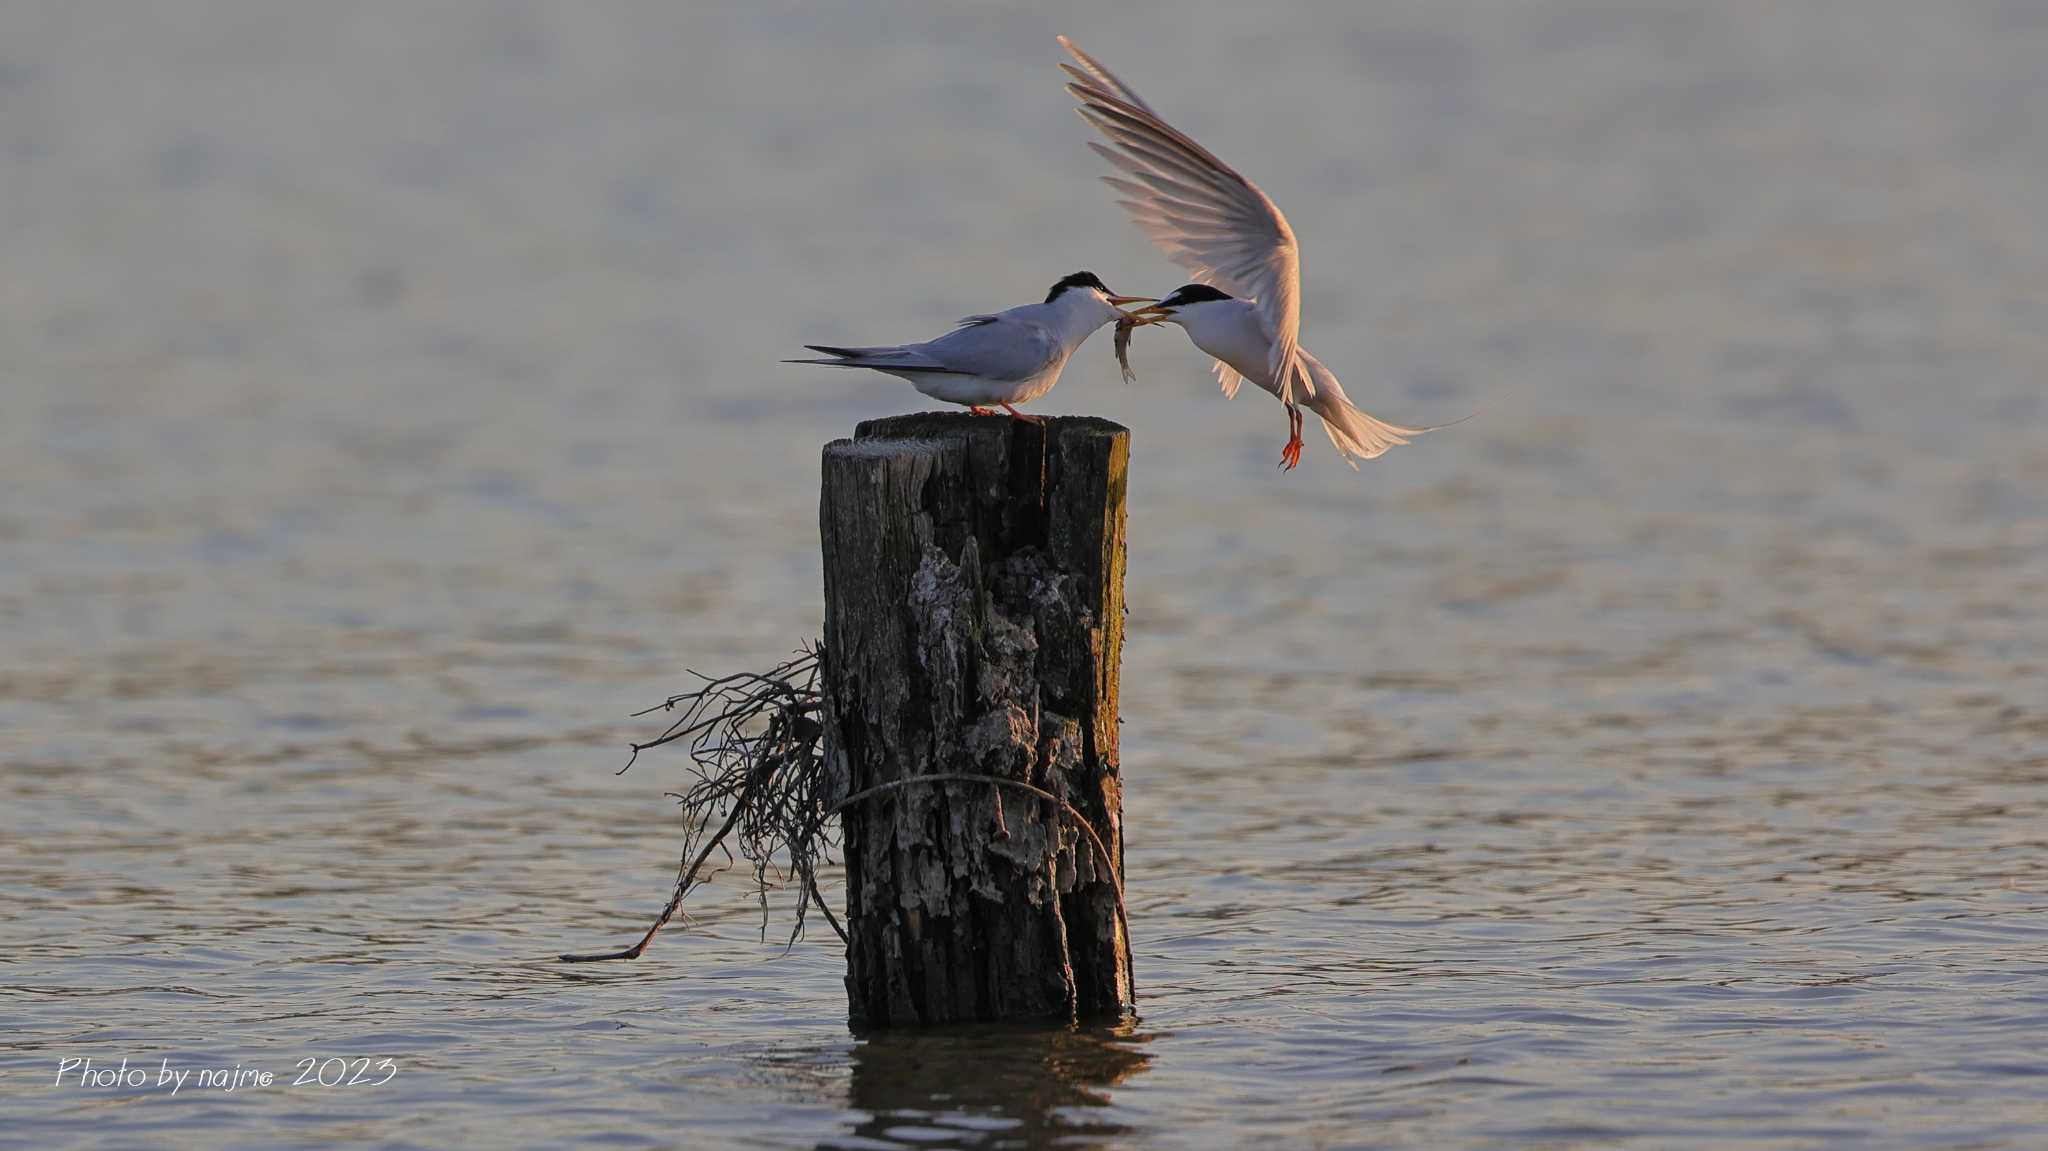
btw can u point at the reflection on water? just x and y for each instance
(1024, 1086)
(388, 406)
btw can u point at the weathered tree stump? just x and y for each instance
(973, 626)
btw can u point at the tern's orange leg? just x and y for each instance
(1015, 414)
(1291, 454)
(978, 410)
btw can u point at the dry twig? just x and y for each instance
(754, 744)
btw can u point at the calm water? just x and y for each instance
(1659, 759)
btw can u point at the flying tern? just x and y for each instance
(1246, 308)
(1000, 358)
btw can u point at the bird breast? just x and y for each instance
(1231, 331)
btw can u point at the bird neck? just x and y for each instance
(1075, 315)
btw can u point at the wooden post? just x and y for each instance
(974, 571)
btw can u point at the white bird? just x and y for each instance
(1246, 310)
(1001, 358)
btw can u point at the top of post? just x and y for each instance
(948, 425)
(1011, 483)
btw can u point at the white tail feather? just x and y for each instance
(1356, 435)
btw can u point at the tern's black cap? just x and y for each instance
(1193, 294)
(1077, 280)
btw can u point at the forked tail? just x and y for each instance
(1356, 435)
(890, 358)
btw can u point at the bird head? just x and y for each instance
(1181, 299)
(1087, 286)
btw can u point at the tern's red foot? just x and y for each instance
(1291, 454)
(978, 410)
(1015, 414)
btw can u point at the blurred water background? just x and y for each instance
(1656, 760)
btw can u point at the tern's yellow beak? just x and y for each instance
(1121, 300)
(1149, 315)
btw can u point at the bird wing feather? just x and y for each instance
(1204, 215)
(1227, 377)
(882, 358)
(998, 347)
(1103, 77)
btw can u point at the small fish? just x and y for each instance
(1123, 347)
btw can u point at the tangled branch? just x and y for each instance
(753, 741)
(754, 746)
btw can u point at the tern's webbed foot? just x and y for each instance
(1290, 455)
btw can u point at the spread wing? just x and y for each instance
(1206, 217)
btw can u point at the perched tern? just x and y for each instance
(1246, 309)
(1001, 358)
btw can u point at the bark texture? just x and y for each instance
(974, 624)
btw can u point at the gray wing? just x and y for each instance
(997, 348)
(1198, 209)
